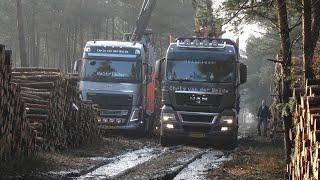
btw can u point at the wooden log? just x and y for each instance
(35, 90)
(45, 95)
(37, 111)
(37, 116)
(33, 69)
(38, 85)
(35, 101)
(37, 78)
(28, 105)
(31, 96)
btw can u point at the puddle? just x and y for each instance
(122, 164)
(198, 169)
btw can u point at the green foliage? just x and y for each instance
(286, 109)
(262, 12)
(260, 71)
(204, 18)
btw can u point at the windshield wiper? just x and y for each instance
(182, 80)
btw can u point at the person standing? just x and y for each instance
(263, 116)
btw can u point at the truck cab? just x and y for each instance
(198, 94)
(114, 75)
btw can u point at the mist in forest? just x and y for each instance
(55, 32)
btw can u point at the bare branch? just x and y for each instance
(298, 23)
(275, 61)
(236, 13)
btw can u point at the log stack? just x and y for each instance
(37, 86)
(40, 108)
(53, 108)
(78, 119)
(16, 136)
(305, 135)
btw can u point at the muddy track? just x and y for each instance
(176, 162)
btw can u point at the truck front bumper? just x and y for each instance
(129, 126)
(183, 131)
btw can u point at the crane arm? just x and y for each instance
(143, 19)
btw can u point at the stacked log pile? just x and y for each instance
(40, 108)
(306, 133)
(16, 137)
(78, 119)
(54, 109)
(36, 91)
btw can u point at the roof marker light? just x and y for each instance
(87, 49)
(196, 42)
(187, 42)
(137, 52)
(205, 43)
(215, 43)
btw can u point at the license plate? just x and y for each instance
(105, 120)
(110, 127)
(197, 135)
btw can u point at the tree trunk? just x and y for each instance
(47, 50)
(33, 40)
(107, 28)
(22, 41)
(286, 59)
(37, 50)
(113, 28)
(315, 30)
(75, 40)
(307, 39)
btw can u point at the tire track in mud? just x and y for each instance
(167, 165)
(176, 162)
(119, 165)
(197, 170)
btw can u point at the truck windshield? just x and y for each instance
(200, 70)
(112, 70)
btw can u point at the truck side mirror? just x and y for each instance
(243, 73)
(150, 69)
(157, 69)
(149, 73)
(77, 66)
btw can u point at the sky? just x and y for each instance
(247, 30)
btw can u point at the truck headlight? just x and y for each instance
(168, 114)
(227, 119)
(135, 115)
(168, 117)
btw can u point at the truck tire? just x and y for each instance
(165, 142)
(232, 142)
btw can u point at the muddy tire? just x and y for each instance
(165, 142)
(231, 144)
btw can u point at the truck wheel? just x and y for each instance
(231, 143)
(165, 142)
(147, 128)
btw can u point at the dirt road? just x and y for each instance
(130, 157)
(176, 162)
(126, 157)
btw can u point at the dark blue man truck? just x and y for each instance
(198, 83)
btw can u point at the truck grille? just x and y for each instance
(193, 128)
(197, 118)
(192, 99)
(111, 101)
